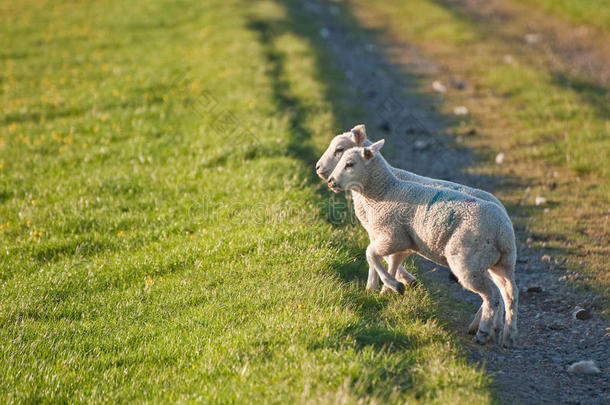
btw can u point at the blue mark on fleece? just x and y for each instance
(439, 197)
(434, 199)
(444, 218)
(451, 218)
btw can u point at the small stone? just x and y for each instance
(529, 241)
(324, 33)
(439, 87)
(420, 144)
(581, 314)
(540, 200)
(534, 289)
(546, 259)
(508, 59)
(532, 39)
(584, 367)
(460, 110)
(500, 158)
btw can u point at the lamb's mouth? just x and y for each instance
(335, 188)
(322, 175)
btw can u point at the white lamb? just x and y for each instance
(357, 137)
(473, 237)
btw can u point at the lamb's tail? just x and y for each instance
(505, 241)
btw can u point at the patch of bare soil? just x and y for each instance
(552, 333)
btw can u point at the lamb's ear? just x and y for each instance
(376, 147)
(359, 134)
(369, 152)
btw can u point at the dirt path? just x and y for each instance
(550, 337)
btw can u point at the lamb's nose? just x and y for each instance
(318, 167)
(331, 181)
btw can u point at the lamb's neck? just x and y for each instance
(379, 181)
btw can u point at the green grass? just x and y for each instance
(163, 236)
(552, 125)
(593, 12)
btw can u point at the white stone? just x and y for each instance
(460, 110)
(584, 367)
(439, 87)
(540, 200)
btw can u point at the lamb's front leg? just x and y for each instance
(397, 270)
(374, 260)
(372, 283)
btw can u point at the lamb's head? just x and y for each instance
(337, 148)
(351, 171)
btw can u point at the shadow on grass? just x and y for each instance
(590, 93)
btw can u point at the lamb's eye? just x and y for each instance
(338, 150)
(349, 164)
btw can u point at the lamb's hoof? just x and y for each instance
(372, 288)
(473, 327)
(508, 342)
(481, 337)
(384, 290)
(400, 289)
(414, 283)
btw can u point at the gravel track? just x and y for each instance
(550, 338)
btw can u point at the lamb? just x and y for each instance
(357, 137)
(471, 236)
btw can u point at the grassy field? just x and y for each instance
(164, 238)
(551, 124)
(593, 12)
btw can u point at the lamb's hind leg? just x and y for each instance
(474, 325)
(497, 319)
(476, 280)
(504, 275)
